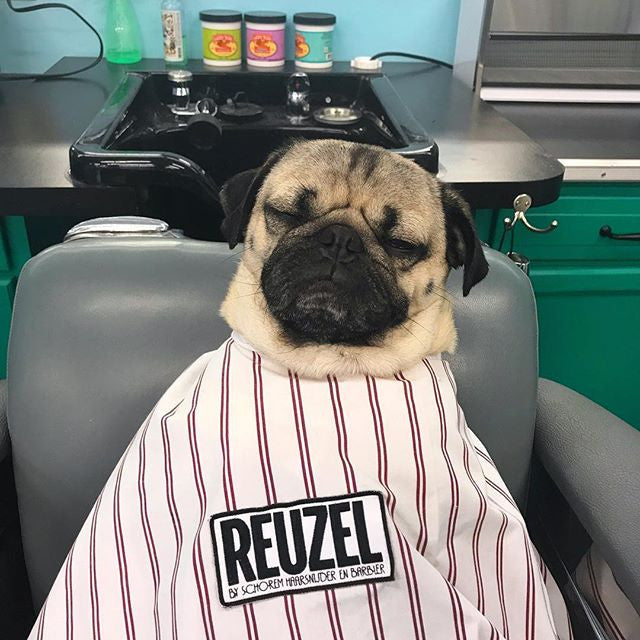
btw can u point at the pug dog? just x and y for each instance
(314, 476)
(347, 251)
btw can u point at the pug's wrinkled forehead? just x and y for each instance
(313, 179)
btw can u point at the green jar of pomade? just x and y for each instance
(221, 37)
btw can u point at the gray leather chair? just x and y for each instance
(103, 324)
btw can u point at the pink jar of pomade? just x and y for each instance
(264, 38)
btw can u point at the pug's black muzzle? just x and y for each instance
(324, 288)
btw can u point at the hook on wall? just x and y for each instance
(520, 206)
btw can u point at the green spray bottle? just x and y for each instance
(122, 38)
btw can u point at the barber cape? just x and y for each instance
(255, 504)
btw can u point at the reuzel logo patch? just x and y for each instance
(306, 545)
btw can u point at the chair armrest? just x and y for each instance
(594, 459)
(4, 427)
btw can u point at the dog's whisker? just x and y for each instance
(415, 336)
(445, 298)
(232, 255)
(280, 353)
(444, 290)
(445, 293)
(246, 295)
(420, 325)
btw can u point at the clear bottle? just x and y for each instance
(173, 32)
(122, 38)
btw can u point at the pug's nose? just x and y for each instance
(340, 242)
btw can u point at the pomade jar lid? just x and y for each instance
(265, 17)
(314, 19)
(220, 15)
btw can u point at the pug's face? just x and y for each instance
(346, 243)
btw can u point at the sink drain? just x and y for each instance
(239, 108)
(337, 115)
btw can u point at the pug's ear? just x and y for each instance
(238, 197)
(463, 245)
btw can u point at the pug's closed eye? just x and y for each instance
(405, 249)
(278, 212)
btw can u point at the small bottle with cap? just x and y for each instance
(173, 38)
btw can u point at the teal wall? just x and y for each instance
(33, 42)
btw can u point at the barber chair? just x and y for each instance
(105, 321)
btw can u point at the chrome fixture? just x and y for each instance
(298, 92)
(180, 80)
(522, 262)
(208, 106)
(337, 115)
(122, 226)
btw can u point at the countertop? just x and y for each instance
(39, 120)
(593, 141)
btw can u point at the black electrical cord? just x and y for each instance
(54, 76)
(413, 56)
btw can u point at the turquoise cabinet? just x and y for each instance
(14, 252)
(587, 290)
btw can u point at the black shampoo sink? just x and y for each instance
(140, 139)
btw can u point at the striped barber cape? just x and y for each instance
(254, 504)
